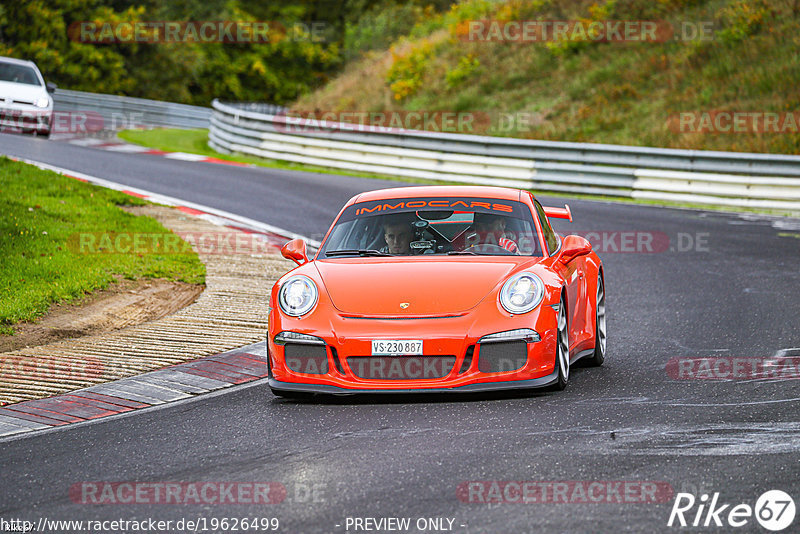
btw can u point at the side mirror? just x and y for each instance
(573, 247)
(51, 87)
(295, 250)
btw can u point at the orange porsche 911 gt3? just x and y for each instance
(437, 289)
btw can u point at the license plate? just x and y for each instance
(396, 347)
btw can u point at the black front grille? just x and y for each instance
(308, 359)
(401, 367)
(502, 357)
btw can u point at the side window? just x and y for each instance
(549, 236)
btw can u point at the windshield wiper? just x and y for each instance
(459, 252)
(356, 252)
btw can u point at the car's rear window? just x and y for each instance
(445, 226)
(11, 72)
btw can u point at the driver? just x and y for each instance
(398, 234)
(490, 229)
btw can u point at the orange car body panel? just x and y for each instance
(448, 302)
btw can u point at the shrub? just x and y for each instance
(405, 74)
(467, 66)
(743, 19)
(379, 27)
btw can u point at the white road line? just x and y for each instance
(126, 148)
(87, 141)
(185, 156)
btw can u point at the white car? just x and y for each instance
(25, 101)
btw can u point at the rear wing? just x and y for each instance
(558, 213)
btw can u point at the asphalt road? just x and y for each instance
(725, 286)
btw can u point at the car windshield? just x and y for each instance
(11, 72)
(409, 227)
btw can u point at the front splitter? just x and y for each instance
(297, 387)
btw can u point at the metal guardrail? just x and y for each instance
(119, 112)
(769, 181)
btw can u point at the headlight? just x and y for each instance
(42, 102)
(522, 293)
(297, 296)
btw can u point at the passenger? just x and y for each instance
(490, 229)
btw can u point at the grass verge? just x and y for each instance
(42, 215)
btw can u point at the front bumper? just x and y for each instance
(25, 118)
(459, 360)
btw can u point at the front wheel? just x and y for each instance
(598, 357)
(562, 347)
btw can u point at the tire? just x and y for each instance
(562, 347)
(599, 355)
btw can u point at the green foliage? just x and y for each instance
(37, 30)
(602, 92)
(379, 27)
(467, 66)
(405, 75)
(290, 64)
(743, 19)
(471, 10)
(573, 42)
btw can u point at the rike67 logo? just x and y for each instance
(774, 510)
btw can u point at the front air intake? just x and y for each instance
(502, 357)
(308, 359)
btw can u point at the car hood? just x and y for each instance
(21, 91)
(378, 287)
